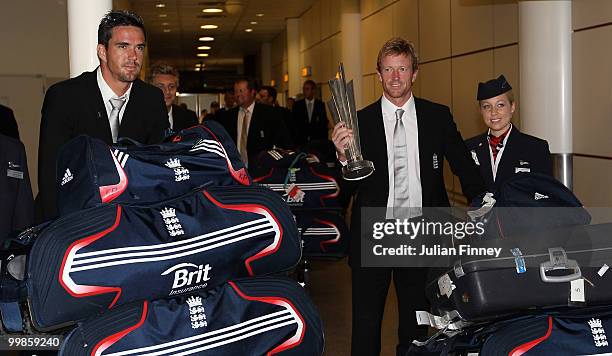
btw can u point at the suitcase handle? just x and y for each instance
(559, 261)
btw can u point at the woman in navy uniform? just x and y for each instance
(503, 151)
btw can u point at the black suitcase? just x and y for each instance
(534, 271)
(255, 316)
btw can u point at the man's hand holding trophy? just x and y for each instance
(346, 130)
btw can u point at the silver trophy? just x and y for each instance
(342, 107)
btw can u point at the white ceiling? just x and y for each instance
(184, 18)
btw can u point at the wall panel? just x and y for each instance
(434, 29)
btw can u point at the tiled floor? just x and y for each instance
(330, 289)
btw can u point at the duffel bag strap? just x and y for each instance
(297, 158)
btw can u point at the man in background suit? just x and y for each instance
(254, 127)
(310, 116)
(407, 139)
(166, 78)
(267, 95)
(16, 204)
(108, 103)
(8, 124)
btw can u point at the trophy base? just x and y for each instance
(357, 170)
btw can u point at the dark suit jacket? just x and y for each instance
(74, 107)
(266, 130)
(16, 203)
(316, 129)
(182, 118)
(8, 124)
(522, 153)
(438, 136)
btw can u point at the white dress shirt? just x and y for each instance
(108, 93)
(171, 118)
(495, 163)
(409, 119)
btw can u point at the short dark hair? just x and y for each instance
(251, 83)
(270, 90)
(311, 83)
(395, 47)
(116, 18)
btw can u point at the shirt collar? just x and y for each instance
(389, 108)
(170, 111)
(507, 133)
(310, 100)
(106, 90)
(250, 108)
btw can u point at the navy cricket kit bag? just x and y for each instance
(531, 202)
(323, 233)
(582, 331)
(302, 180)
(113, 254)
(254, 316)
(92, 173)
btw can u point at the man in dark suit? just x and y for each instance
(503, 151)
(16, 204)
(8, 124)
(407, 139)
(166, 78)
(254, 127)
(267, 95)
(108, 103)
(310, 116)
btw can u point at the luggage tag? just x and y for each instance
(446, 286)
(295, 193)
(577, 292)
(521, 169)
(519, 261)
(603, 270)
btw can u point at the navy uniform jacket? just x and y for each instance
(74, 107)
(522, 153)
(266, 130)
(16, 205)
(438, 139)
(316, 129)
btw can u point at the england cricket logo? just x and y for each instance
(196, 312)
(599, 334)
(173, 225)
(180, 173)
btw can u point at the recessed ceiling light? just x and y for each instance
(160, 5)
(166, 30)
(212, 10)
(206, 39)
(203, 48)
(163, 15)
(253, 22)
(197, 69)
(248, 30)
(165, 23)
(259, 15)
(202, 54)
(209, 27)
(198, 64)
